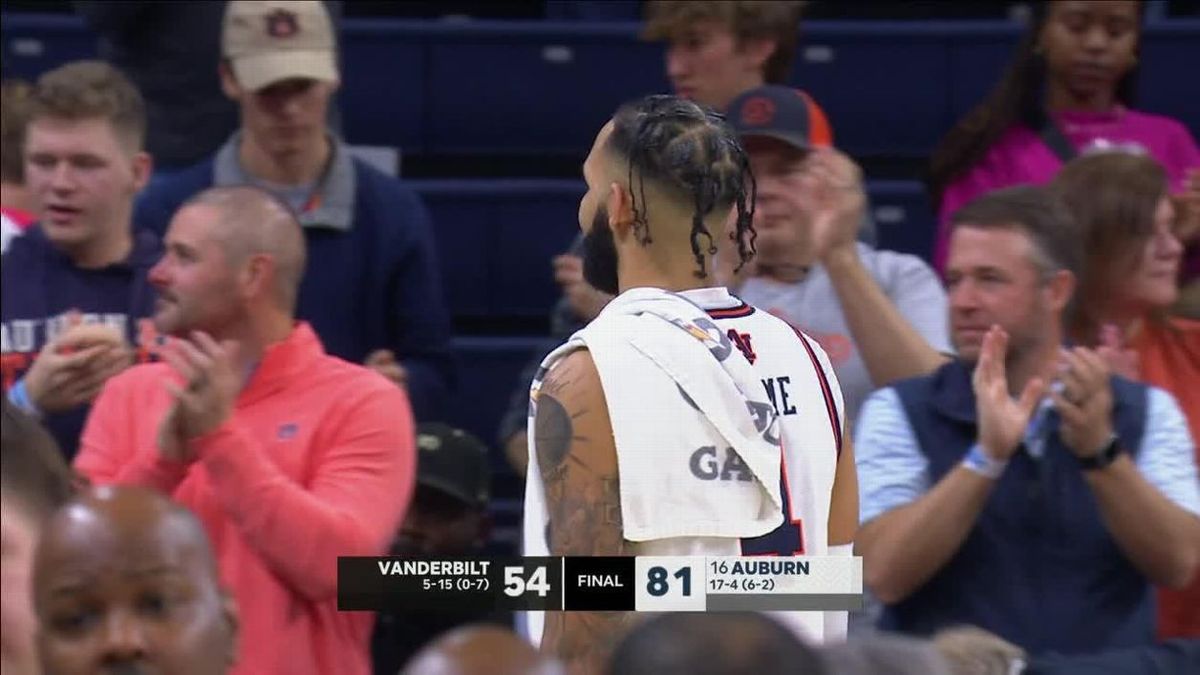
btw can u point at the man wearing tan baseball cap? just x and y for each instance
(372, 289)
(268, 41)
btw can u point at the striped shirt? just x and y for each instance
(892, 471)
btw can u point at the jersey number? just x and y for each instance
(785, 540)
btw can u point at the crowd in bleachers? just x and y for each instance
(285, 271)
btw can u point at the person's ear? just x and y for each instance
(229, 83)
(1060, 289)
(143, 169)
(258, 276)
(619, 203)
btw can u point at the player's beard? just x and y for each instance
(600, 255)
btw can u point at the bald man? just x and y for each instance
(289, 456)
(125, 582)
(480, 650)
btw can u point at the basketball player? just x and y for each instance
(630, 470)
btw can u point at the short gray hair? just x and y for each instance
(255, 221)
(1035, 211)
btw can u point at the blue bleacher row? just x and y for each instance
(891, 89)
(496, 237)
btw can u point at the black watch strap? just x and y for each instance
(1107, 455)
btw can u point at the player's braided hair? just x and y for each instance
(692, 153)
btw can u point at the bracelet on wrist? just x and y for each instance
(978, 461)
(18, 395)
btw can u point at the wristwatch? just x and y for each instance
(1107, 455)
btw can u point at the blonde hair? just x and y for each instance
(83, 90)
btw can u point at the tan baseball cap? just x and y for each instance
(267, 41)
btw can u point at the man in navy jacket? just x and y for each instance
(83, 262)
(371, 290)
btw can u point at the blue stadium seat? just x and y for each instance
(903, 218)
(382, 97)
(496, 239)
(978, 55)
(883, 85)
(1169, 55)
(35, 43)
(533, 88)
(488, 371)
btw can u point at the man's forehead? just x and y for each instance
(596, 155)
(1108, 7)
(194, 224)
(90, 543)
(122, 519)
(602, 137)
(50, 131)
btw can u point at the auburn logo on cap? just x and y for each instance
(758, 111)
(282, 24)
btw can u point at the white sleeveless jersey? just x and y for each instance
(798, 380)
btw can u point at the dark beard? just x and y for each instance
(599, 252)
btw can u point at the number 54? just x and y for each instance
(515, 585)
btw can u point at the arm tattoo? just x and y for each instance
(584, 503)
(552, 431)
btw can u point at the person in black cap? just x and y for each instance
(448, 517)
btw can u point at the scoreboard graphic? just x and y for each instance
(643, 584)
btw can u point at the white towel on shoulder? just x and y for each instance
(681, 398)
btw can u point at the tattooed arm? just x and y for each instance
(578, 461)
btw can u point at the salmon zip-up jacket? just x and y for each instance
(317, 461)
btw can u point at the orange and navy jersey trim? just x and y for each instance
(731, 312)
(826, 390)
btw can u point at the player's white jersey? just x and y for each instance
(798, 380)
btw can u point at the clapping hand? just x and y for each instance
(1084, 402)
(833, 196)
(1002, 421)
(211, 382)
